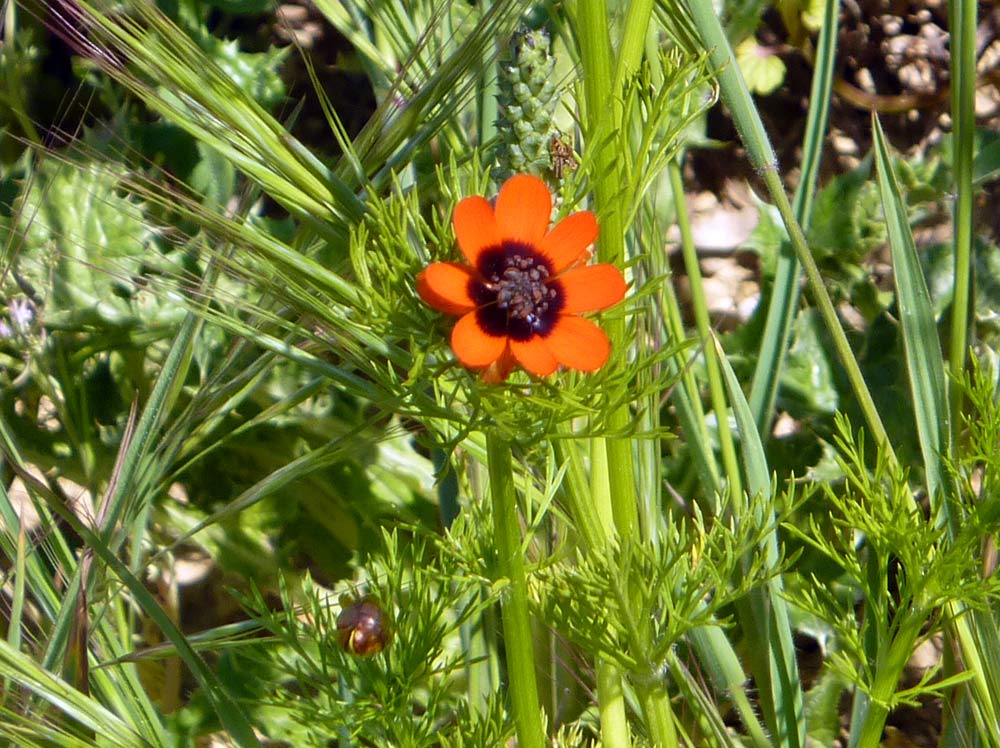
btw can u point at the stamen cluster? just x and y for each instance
(517, 295)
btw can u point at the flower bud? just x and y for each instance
(525, 104)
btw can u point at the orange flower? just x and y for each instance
(522, 292)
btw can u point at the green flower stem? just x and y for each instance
(611, 706)
(889, 669)
(593, 528)
(521, 682)
(614, 723)
(600, 492)
(633, 41)
(595, 525)
(600, 87)
(487, 93)
(659, 716)
(595, 56)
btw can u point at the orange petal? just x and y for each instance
(524, 208)
(475, 227)
(445, 286)
(474, 347)
(578, 344)
(568, 241)
(534, 355)
(500, 369)
(590, 288)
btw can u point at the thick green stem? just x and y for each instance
(889, 669)
(610, 690)
(874, 725)
(611, 706)
(659, 716)
(615, 491)
(604, 119)
(521, 682)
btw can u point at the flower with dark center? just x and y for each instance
(524, 287)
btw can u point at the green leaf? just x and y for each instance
(823, 707)
(85, 246)
(807, 385)
(254, 72)
(987, 163)
(767, 237)
(742, 17)
(846, 223)
(763, 70)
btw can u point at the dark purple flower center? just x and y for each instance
(516, 294)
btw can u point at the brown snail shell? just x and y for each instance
(363, 628)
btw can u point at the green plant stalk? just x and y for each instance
(599, 89)
(975, 632)
(784, 298)
(595, 56)
(633, 41)
(889, 669)
(522, 685)
(962, 22)
(611, 706)
(659, 715)
(610, 688)
(616, 497)
(487, 93)
(751, 129)
(593, 521)
(717, 390)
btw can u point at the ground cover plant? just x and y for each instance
(328, 424)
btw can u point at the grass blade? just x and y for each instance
(764, 617)
(920, 339)
(734, 93)
(785, 292)
(962, 23)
